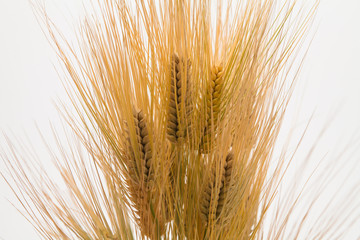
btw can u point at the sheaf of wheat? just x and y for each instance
(178, 105)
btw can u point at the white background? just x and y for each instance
(329, 86)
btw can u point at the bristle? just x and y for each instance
(179, 100)
(213, 201)
(213, 106)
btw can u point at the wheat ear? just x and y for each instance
(179, 100)
(141, 178)
(213, 106)
(140, 163)
(214, 195)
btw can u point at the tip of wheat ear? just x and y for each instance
(178, 92)
(213, 201)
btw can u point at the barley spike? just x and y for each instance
(141, 176)
(213, 106)
(179, 100)
(213, 201)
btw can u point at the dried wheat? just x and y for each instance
(141, 177)
(179, 107)
(214, 195)
(213, 106)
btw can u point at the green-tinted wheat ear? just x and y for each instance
(214, 195)
(214, 97)
(179, 108)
